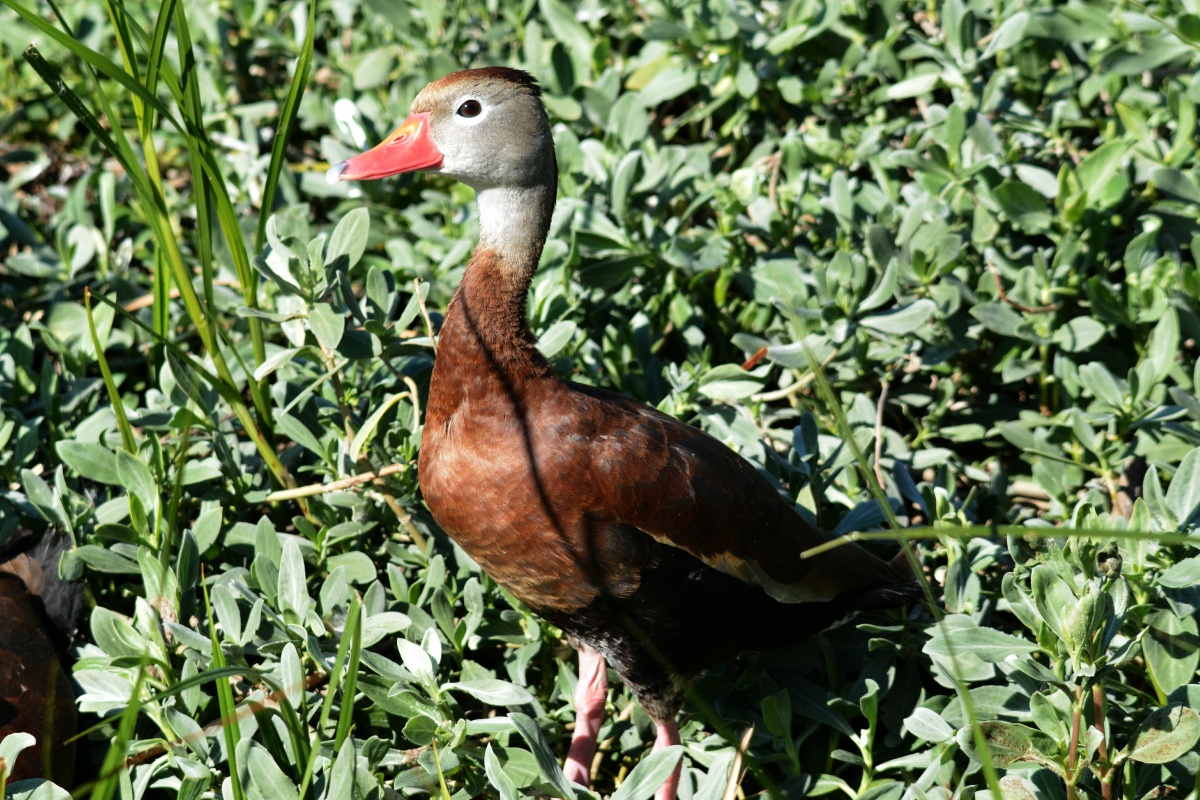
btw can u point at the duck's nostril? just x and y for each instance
(335, 173)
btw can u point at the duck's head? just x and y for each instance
(484, 127)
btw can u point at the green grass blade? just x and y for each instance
(119, 148)
(97, 61)
(353, 634)
(110, 385)
(287, 122)
(229, 394)
(211, 184)
(158, 44)
(846, 433)
(114, 760)
(120, 22)
(230, 726)
(335, 682)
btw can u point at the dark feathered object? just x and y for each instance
(39, 612)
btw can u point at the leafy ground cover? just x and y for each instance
(933, 267)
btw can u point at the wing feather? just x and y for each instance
(685, 489)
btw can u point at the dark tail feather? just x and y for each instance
(889, 595)
(34, 559)
(906, 588)
(38, 614)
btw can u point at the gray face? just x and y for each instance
(492, 133)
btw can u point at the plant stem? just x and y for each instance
(1103, 768)
(1073, 753)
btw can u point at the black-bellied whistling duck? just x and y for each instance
(651, 544)
(38, 612)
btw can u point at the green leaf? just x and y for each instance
(1165, 735)
(493, 692)
(1007, 742)
(416, 660)
(1183, 495)
(789, 38)
(556, 337)
(1079, 334)
(207, 528)
(261, 775)
(927, 724)
(92, 461)
(44, 498)
(519, 765)
(1014, 787)
(34, 789)
(1010, 33)
(841, 199)
(628, 120)
(1100, 382)
(349, 239)
(667, 85)
(1175, 184)
(275, 361)
(1054, 600)
(729, 382)
(12, 745)
(914, 86)
(136, 478)
(547, 762)
(622, 181)
(1188, 26)
(101, 559)
(1099, 166)
(885, 289)
(496, 776)
(1024, 206)
(902, 321)
(649, 774)
(420, 731)
(777, 713)
(1163, 351)
(373, 68)
(328, 325)
(359, 567)
(367, 430)
(104, 690)
(115, 636)
(341, 777)
(987, 644)
(999, 318)
(1156, 502)
(1171, 647)
(1181, 574)
(1047, 717)
(292, 591)
(575, 38)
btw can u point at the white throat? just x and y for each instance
(513, 220)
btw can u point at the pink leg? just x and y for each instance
(668, 734)
(590, 694)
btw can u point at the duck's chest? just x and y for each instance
(505, 475)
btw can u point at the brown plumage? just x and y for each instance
(37, 619)
(642, 537)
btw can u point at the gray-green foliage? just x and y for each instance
(979, 218)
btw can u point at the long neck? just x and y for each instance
(485, 334)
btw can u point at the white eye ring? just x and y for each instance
(469, 108)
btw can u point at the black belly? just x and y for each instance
(683, 617)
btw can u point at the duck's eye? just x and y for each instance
(470, 108)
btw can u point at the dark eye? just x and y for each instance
(470, 108)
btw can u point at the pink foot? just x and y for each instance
(590, 694)
(668, 734)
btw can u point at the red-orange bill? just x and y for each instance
(407, 149)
